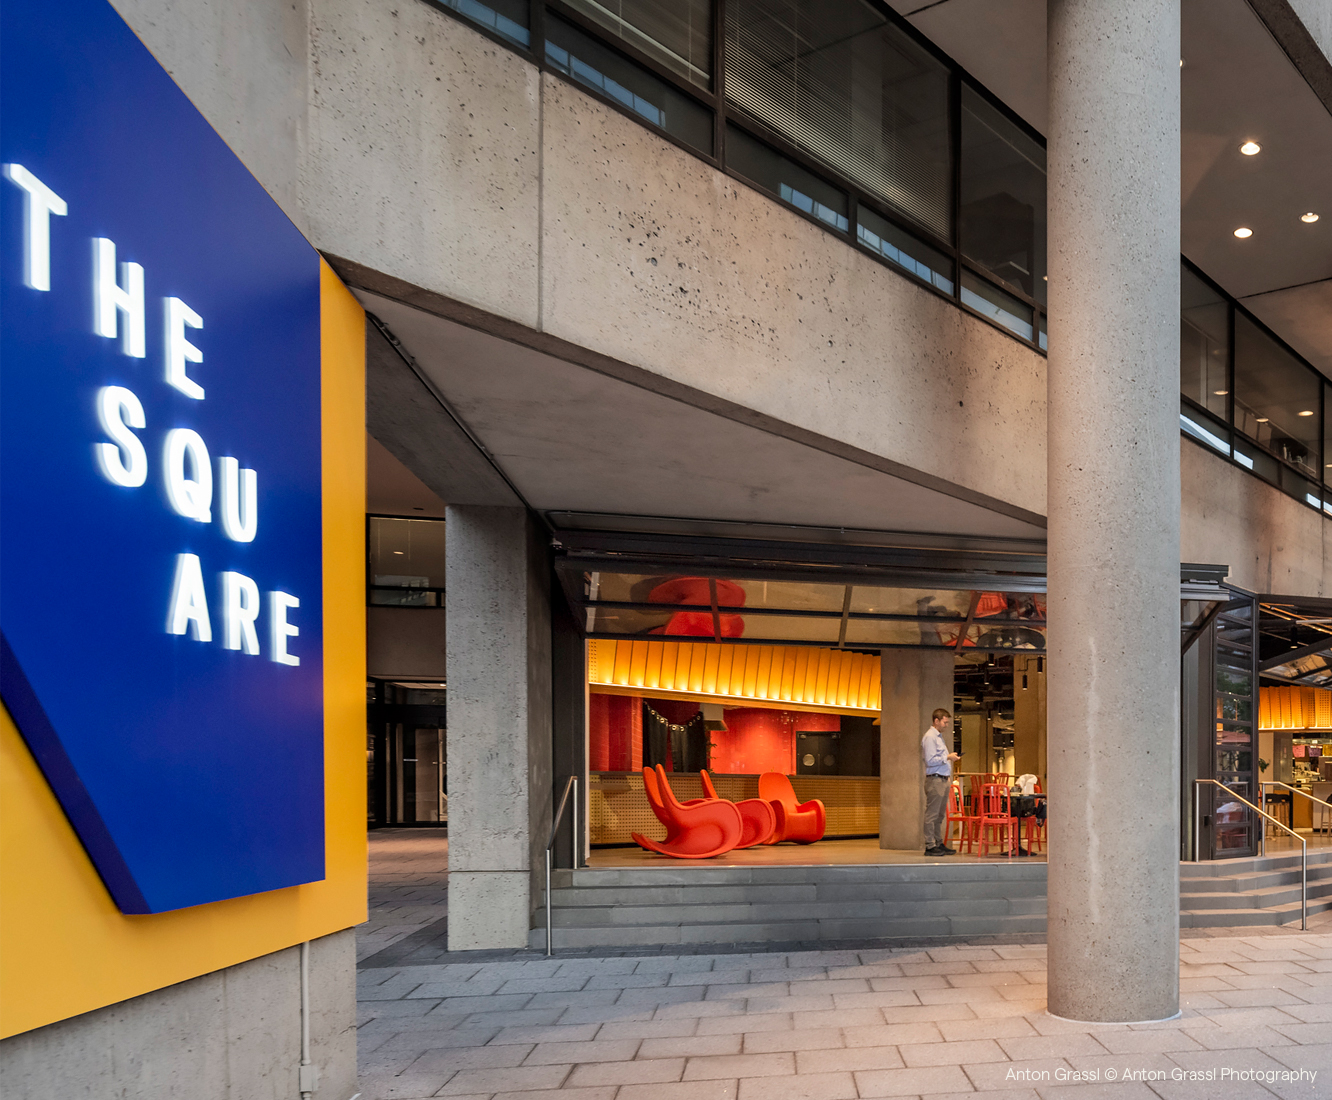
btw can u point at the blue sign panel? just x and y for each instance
(160, 474)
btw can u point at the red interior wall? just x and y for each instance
(615, 733)
(757, 739)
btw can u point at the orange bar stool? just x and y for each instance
(998, 826)
(957, 815)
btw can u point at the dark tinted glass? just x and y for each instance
(1204, 429)
(1204, 344)
(675, 33)
(901, 248)
(572, 52)
(1276, 398)
(835, 78)
(1044, 334)
(406, 556)
(1002, 217)
(505, 17)
(1003, 308)
(786, 179)
(1327, 434)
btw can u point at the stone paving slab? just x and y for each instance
(932, 1021)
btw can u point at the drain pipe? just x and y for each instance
(309, 1075)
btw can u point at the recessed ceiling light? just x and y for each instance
(1251, 148)
(1262, 420)
(1220, 393)
(1310, 217)
(1306, 412)
(398, 552)
(1243, 232)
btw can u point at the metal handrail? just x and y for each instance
(1293, 790)
(1262, 841)
(570, 785)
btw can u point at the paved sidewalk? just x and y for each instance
(840, 1025)
(408, 886)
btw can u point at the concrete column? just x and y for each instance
(499, 732)
(915, 682)
(1114, 509)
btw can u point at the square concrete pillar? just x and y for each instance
(497, 598)
(915, 683)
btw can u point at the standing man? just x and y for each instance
(938, 776)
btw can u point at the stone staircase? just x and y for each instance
(658, 906)
(1253, 892)
(791, 904)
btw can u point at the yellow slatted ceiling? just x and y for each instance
(800, 675)
(1294, 708)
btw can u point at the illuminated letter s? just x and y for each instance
(123, 462)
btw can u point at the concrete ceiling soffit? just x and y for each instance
(999, 42)
(405, 415)
(572, 438)
(1288, 27)
(1239, 85)
(391, 489)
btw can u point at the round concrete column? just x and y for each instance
(1113, 505)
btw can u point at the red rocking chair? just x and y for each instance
(701, 830)
(760, 819)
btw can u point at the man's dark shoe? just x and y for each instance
(944, 850)
(938, 850)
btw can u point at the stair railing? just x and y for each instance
(571, 785)
(1293, 790)
(1262, 840)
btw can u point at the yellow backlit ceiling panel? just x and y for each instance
(814, 679)
(1294, 708)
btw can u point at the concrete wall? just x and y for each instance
(1271, 542)
(231, 1035)
(431, 154)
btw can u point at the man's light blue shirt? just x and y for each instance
(936, 753)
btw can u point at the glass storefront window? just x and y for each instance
(901, 248)
(873, 600)
(835, 78)
(1204, 344)
(406, 562)
(507, 18)
(573, 53)
(675, 33)
(1002, 224)
(785, 179)
(1276, 398)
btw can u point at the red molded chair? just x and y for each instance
(957, 815)
(759, 817)
(998, 826)
(803, 822)
(698, 831)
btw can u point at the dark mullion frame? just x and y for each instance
(955, 155)
(536, 24)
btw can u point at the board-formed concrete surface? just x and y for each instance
(842, 1025)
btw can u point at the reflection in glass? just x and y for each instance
(407, 553)
(901, 248)
(791, 628)
(1276, 398)
(675, 33)
(1259, 462)
(869, 599)
(607, 620)
(795, 595)
(1327, 434)
(874, 632)
(573, 53)
(507, 18)
(1205, 429)
(1003, 197)
(785, 179)
(834, 77)
(989, 300)
(1204, 344)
